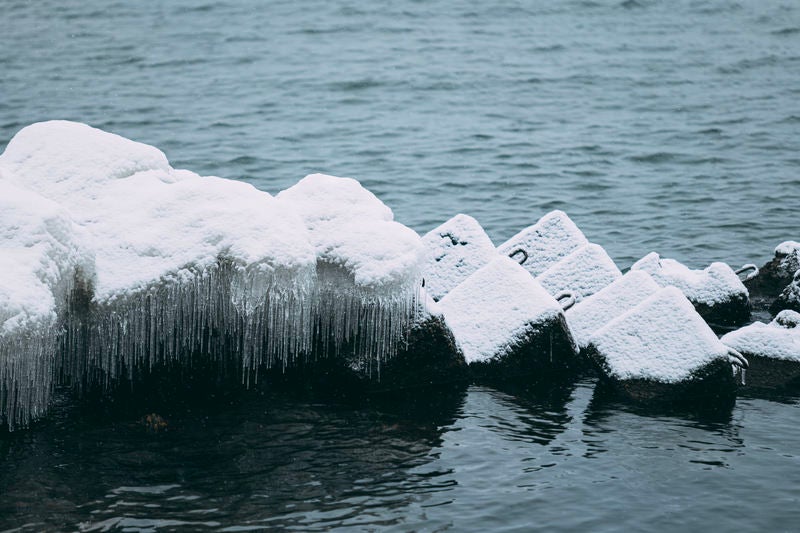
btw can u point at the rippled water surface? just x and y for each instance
(667, 126)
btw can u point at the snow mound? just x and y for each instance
(455, 249)
(780, 339)
(539, 246)
(582, 273)
(662, 339)
(369, 268)
(493, 309)
(716, 284)
(589, 315)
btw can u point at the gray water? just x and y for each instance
(666, 126)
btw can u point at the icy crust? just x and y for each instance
(780, 339)
(591, 314)
(369, 267)
(662, 339)
(582, 273)
(716, 284)
(491, 311)
(455, 250)
(539, 246)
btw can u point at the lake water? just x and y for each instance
(666, 126)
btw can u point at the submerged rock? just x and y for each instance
(597, 310)
(716, 292)
(582, 273)
(663, 348)
(507, 325)
(455, 249)
(540, 246)
(773, 350)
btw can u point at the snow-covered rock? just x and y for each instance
(455, 250)
(369, 267)
(662, 341)
(582, 273)
(789, 298)
(505, 321)
(589, 315)
(539, 246)
(716, 291)
(43, 260)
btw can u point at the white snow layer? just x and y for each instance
(582, 273)
(661, 339)
(455, 250)
(780, 339)
(716, 284)
(493, 309)
(589, 315)
(177, 262)
(539, 246)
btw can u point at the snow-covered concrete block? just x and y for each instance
(582, 273)
(455, 250)
(773, 350)
(660, 345)
(789, 298)
(505, 322)
(777, 273)
(625, 293)
(716, 291)
(539, 246)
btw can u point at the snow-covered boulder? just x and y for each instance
(369, 267)
(662, 347)
(582, 273)
(716, 291)
(773, 350)
(506, 323)
(777, 273)
(539, 246)
(592, 313)
(455, 250)
(44, 263)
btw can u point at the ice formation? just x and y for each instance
(172, 265)
(597, 310)
(582, 273)
(494, 309)
(539, 246)
(369, 267)
(455, 250)
(716, 284)
(780, 339)
(662, 339)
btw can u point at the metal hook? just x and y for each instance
(570, 298)
(740, 361)
(517, 252)
(745, 268)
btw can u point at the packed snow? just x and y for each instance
(455, 250)
(582, 273)
(716, 284)
(539, 246)
(780, 339)
(589, 315)
(493, 309)
(662, 339)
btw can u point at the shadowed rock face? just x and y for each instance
(789, 298)
(774, 278)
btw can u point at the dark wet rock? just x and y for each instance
(507, 325)
(716, 292)
(773, 350)
(455, 250)
(774, 276)
(663, 348)
(789, 298)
